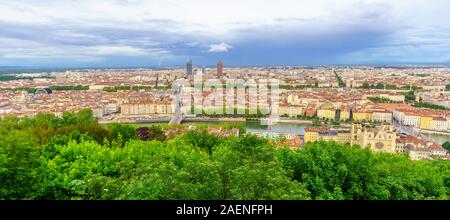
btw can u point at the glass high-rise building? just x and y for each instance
(219, 69)
(189, 67)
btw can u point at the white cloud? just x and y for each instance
(155, 27)
(119, 50)
(193, 44)
(13, 48)
(219, 48)
(195, 16)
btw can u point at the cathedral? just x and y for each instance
(378, 139)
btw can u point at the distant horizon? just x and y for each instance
(56, 67)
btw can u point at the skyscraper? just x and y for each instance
(219, 69)
(189, 68)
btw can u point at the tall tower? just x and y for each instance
(219, 69)
(189, 67)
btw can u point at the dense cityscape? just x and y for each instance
(413, 102)
(199, 108)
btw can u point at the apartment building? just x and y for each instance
(426, 153)
(344, 113)
(382, 116)
(426, 122)
(291, 111)
(411, 119)
(362, 115)
(327, 111)
(127, 109)
(439, 124)
(327, 134)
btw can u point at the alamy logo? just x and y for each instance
(228, 97)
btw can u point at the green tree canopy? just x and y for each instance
(73, 157)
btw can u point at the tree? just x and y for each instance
(153, 132)
(127, 132)
(67, 161)
(49, 149)
(332, 171)
(85, 116)
(265, 181)
(379, 100)
(446, 145)
(430, 106)
(96, 131)
(173, 171)
(202, 139)
(409, 96)
(366, 85)
(339, 79)
(380, 86)
(19, 158)
(79, 87)
(143, 133)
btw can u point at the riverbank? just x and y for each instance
(166, 120)
(434, 132)
(202, 119)
(124, 121)
(283, 125)
(207, 119)
(294, 121)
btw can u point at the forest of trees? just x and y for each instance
(78, 87)
(73, 157)
(430, 106)
(381, 100)
(339, 79)
(409, 96)
(12, 77)
(366, 85)
(117, 88)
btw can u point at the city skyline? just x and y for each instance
(166, 33)
(213, 100)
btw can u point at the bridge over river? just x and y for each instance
(409, 130)
(178, 117)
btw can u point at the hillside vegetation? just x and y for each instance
(74, 157)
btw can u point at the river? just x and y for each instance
(438, 138)
(294, 128)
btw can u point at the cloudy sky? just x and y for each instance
(69, 33)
